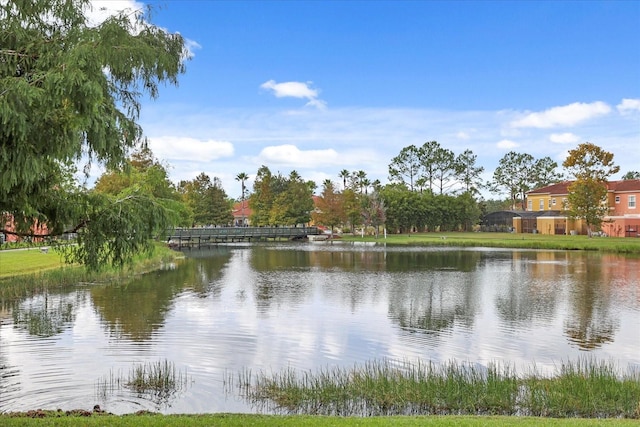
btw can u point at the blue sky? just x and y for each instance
(323, 86)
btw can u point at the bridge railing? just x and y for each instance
(204, 234)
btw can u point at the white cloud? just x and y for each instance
(567, 115)
(628, 105)
(295, 90)
(463, 135)
(183, 148)
(564, 138)
(507, 144)
(290, 155)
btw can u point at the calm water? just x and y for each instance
(310, 306)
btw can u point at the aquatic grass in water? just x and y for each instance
(585, 388)
(385, 388)
(158, 381)
(158, 378)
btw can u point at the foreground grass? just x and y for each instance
(584, 388)
(509, 240)
(25, 273)
(241, 420)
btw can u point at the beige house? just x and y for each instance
(551, 203)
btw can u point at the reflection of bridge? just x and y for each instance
(205, 236)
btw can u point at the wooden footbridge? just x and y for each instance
(190, 237)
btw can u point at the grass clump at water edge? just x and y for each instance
(586, 388)
(158, 380)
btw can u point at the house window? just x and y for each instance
(617, 199)
(632, 202)
(553, 201)
(530, 205)
(541, 204)
(549, 203)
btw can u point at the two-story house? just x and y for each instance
(622, 220)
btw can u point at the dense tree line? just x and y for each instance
(279, 200)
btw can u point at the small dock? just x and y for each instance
(203, 236)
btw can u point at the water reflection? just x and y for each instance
(432, 303)
(47, 315)
(137, 308)
(268, 306)
(591, 322)
(530, 285)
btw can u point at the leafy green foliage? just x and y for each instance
(294, 205)
(277, 200)
(262, 198)
(330, 206)
(591, 166)
(114, 229)
(407, 210)
(588, 161)
(631, 175)
(405, 167)
(70, 90)
(468, 172)
(518, 173)
(207, 200)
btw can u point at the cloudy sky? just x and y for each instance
(324, 86)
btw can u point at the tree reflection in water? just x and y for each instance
(138, 307)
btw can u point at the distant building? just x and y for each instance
(9, 227)
(547, 211)
(241, 214)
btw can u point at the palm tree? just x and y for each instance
(360, 178)
(344, 174)
(365, 183)
(376, 184)
(242, 177)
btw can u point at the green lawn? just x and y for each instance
(509, 240)
(27, 261)
(241, 420)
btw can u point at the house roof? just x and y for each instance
(562, 188)
(558, 188)
(625, 185)
(241, 209)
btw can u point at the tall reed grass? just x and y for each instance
(585, 388)
(157, 381)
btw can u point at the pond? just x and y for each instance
(265, 307)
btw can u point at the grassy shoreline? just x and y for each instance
(507, 240)
(29, 272)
